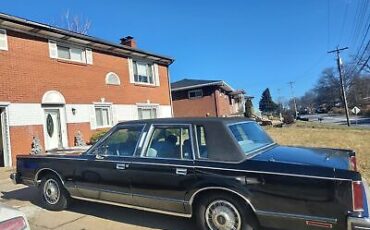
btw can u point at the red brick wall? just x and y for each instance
(27, 72)
(185, 107)
(84, 128)
(21, 139)
(223, 104)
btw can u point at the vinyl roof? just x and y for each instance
(190, 120)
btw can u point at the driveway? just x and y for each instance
(82, 215)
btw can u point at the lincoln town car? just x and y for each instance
(227, 173)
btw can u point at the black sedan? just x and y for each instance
(228, 173)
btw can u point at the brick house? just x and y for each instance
(57, 83)
(200, 98)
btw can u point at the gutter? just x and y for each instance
(218, 83)
(41, 26)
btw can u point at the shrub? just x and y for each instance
(97, 135)
(288, 118)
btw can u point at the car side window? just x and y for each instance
(171, 143)
(201, 141)
(122, 142)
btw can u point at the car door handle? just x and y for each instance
(180, 171)
(122, 166)
(99, 157)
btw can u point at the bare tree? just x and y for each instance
(75, 23)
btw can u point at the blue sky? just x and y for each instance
(251, 44)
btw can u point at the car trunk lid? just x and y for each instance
(331, 158)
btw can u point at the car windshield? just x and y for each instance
(250, 136)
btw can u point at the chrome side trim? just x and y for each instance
(220, 188)
(297, 216)
(213, 168)
(36, 179)
(134, 207)
(273, 173)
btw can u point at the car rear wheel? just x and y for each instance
(53, 194)
(223, 212)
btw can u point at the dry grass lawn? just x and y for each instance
(317, 135)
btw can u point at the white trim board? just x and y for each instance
(25, 114)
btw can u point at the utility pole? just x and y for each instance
(339, 64)
(294, 100)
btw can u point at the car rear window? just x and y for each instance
(250, 136)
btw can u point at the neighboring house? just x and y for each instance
(201, 98)
(56, 83)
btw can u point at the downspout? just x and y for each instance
(216, 106)
(170, 90)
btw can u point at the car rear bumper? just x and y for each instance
(357, 223)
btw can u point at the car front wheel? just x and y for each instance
(223, 212)
(53, 194)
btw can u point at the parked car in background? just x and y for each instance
(227, 172)
(12, 219)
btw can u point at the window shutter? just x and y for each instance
(92, 117)
(89, 56)
(3, 40)
(156, 75)
(131, 70)
(53, 49)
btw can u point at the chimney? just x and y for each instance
(128, 41)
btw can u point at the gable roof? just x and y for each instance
(186, 84)
(50, 32)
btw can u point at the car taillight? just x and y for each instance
(17, 223)
(353, 163)
(357, 196)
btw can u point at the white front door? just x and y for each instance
(53, 129)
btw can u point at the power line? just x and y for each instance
(343, 23)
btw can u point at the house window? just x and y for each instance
(194, 94)
(112, 79)
(70, 53)
(3, 40)
(103, 116)
(147, 112)
(143, 72)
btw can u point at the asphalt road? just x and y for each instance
(359, 121)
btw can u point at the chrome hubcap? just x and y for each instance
(51, 191)
(222, 215)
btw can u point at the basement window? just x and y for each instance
(194, 94)
(103, 115)
(147, 112)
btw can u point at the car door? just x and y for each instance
(165, 168)
(104, 176)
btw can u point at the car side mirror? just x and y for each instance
(101, 150)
